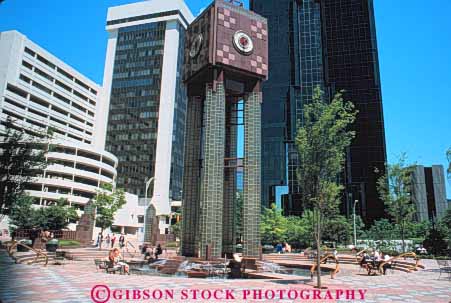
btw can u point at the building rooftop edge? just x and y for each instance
(54, 58)
(149, 6)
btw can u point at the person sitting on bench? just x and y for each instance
(114, 258)
(364, 261)
(385, 266)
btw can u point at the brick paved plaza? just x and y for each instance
(74, 281)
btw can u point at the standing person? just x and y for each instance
(122, 241)
(279, 248)
(107, 240)
(45, 237)
(158, 251)
(99, 237)
(34, 234)
(113, 239)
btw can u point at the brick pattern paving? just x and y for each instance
(73, 283)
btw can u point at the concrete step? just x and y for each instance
(31, 258)
(91, 255)
(284, 259)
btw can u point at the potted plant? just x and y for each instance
(268, 249)
(52, 245)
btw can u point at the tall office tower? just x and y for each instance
(330, 43)
(39, 92)
(429, 192)
(146, 100)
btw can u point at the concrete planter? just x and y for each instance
(52, 245)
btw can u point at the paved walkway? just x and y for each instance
(74, 282)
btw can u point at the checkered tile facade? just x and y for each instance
(218, 25)
(230, 20)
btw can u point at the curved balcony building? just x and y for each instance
(40, 93)
(75, 172)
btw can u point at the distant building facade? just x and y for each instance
(330, 44)
(144, 116)
(39, 92)
(429, 192)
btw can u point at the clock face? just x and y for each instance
(196, 46)
(243, 43)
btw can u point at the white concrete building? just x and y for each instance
(145, 99)
(39, 91)
(128, 220)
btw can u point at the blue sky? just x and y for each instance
(414, 40)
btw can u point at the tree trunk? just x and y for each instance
(101, 238)
(318, 249)
(402, 239)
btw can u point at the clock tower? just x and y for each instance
(226, 60)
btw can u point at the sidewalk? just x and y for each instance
(74, 281)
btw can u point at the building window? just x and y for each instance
(30, 52)
(140, 219)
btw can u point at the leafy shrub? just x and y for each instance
(68, 243)
(171, 245)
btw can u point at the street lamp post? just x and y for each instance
(355, 231)
(147, 188)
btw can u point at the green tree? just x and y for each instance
(308, 221)
(322, 139)
(359, 228)
(417, 229)
(298, 231)
(395, 190)
(435, 242)
(22, 214)
(338, 229)
(56, 216)
(176, 229)
(22, 157)
(107, 202)
(445, 224)
(448, 155)
(273, 226)
(446, 220)
(382, 229)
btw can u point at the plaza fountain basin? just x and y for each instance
(195, 268)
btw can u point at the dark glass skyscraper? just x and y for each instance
(330, 43)
(146, 98)
(134, 103)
